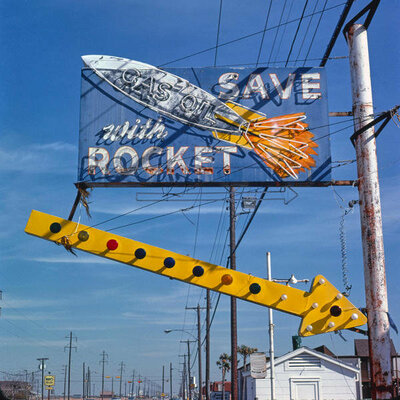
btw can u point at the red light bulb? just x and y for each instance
(112, 244)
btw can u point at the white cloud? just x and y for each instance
(47, 158)
(24, 303)
(71, 260)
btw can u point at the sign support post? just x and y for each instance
(371, 217)
(232, 237)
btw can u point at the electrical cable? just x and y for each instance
(242, 38)
(218, 30)
(276, 33)
(316, 29)
(306, 33)
(263, 36)
(197, 226)
(279, 62)
(161, 216)
(284, 31)
(297, 31)
(237, 245)
(218, 228)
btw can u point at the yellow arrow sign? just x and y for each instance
(323, 309)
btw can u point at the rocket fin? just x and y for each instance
(238, 140)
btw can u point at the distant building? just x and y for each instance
(361, 350)
(107, 395)
(307, 374)
(216, 390)
(18, 390)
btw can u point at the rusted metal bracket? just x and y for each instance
(76, 202)
(370, 8)
(81, 190)
(341, 114)
(360, 331)
(336, 32)
(385, 117)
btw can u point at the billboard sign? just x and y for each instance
(141, 125)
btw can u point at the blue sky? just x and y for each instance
(47, 292)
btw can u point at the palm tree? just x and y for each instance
(245, 351)
(224, 364)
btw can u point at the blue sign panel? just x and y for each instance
(141, 125)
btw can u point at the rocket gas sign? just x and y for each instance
(141, 125)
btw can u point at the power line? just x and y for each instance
(265, 29)
(285, 25)
(218, 30)
(306, 32)
(70, 347)
(162, 215)
(243, 37)
(315, 32)
(276, 33)
(297, 31)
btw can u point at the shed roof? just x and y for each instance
(361, 348)
(302, 350)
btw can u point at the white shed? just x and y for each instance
(306, 374)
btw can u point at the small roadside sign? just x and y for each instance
(49, 387)
(258, 365)
(49, 380)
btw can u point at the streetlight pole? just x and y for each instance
(291, 280)
(271, 335)
(198, 340)
(208, 345)
(200, 384)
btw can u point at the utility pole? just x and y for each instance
(184, 377)
(170, 380)
(271, 334)
(104, 358)
(42, 367)
(69, 347)
(162, 389)
(198, 308)
(65, 382)
(208, 345)
(88, 392)
(200, 384)
(122, 365)
(371, 216)
(133, 383)
(83, 382)
(188, 366)
(232, 257)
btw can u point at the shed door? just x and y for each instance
(304, 389)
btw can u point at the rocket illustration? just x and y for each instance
(283, 143)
